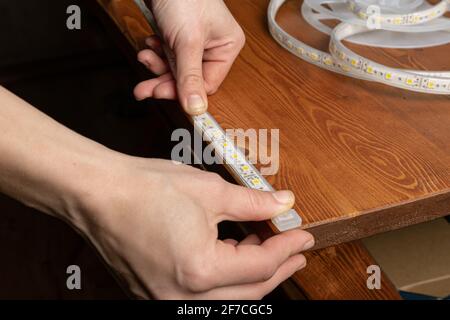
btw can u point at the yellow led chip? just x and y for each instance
(328, 61)
(409, 81)
(388, 76)
(245, 168)
(431, 84)
(256, 181)
(369, 70)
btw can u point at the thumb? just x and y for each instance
(244, 204)
(190, 84)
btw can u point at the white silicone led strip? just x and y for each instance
(345, 61)
(409, 19)
(240, 168)
(427, 82)
(436, 23)
(225, 149)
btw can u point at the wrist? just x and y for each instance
(101, 202)
(88, 178)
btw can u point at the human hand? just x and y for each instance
(155, 224)
(205, 39)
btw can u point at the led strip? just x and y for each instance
(427, 82)
(239, 167)
(409, 19)
(398, 22)
(225, 149)
(345, 61)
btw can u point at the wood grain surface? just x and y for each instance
(337, 272)
(349, 148)
(340, 272)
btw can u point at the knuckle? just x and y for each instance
(193, 39)
(183, 41)
(195, 275)
(268, 272)
(213, 178)
(193, 78)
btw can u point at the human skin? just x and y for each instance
(205, 39)
(154, 222)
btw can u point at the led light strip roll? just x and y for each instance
(225, 149)
(409, 19)
(345, 61)
(428, 82)
(402, 22)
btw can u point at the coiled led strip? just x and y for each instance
(398, 22)
(409, 19)
(428, 82)
(345, 61)
(225, 149)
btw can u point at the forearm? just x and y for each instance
(42, 163)
(154, 222)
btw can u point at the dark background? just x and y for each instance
(81, 79)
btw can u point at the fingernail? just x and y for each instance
(196, 104)
(309, 244)
(302, 266)
(284, 197)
